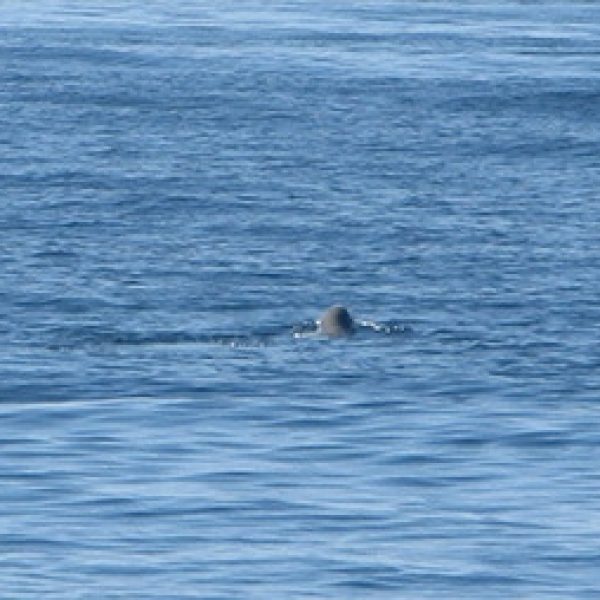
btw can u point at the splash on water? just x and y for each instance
(310, 329)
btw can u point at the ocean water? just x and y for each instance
(186, 186)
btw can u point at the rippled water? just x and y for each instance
(186, 186)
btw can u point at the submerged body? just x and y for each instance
(336, 321)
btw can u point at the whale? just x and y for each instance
(336, 322)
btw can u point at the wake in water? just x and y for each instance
(88, 337)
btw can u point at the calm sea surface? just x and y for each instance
(185, 186)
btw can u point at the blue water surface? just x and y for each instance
(186, 186)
